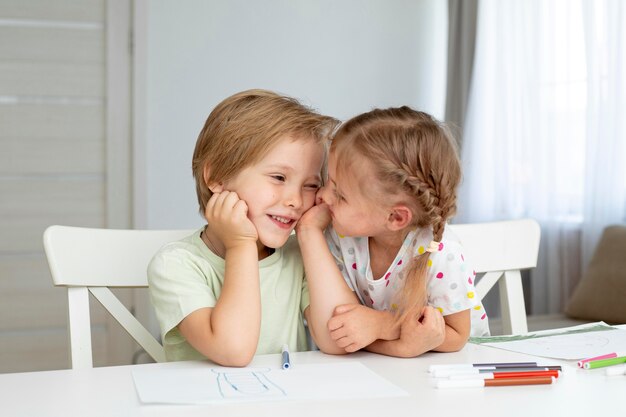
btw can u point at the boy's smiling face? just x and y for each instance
(279, 188)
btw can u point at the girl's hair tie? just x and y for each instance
(432, 246)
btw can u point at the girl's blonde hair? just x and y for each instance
(243, 128)
(416, 162)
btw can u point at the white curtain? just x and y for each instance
(545, 132)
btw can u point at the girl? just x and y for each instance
(236, 286)
(392, 181)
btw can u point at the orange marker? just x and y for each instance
(500, 382)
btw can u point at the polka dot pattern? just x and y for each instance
(450, 278)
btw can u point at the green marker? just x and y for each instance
(605, 362)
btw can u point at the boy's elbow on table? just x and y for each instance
(236, 360)
(327, 347)
(228, 350)
(235, 356)
(333, 350)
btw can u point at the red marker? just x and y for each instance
(504, 375)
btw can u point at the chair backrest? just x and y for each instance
(498, 251)
(86, 260)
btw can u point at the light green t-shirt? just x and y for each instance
(185, 276)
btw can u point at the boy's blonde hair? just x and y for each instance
(416, 162)
(243, 128)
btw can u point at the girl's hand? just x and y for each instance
(227, 216)
(354, 326)
(419, 335)
(317, 218)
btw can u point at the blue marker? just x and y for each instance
(285, 356)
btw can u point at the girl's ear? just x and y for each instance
(399, 218)
(215, 187)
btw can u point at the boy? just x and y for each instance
(236, 287)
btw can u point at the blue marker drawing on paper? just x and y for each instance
(247, 382)
(205, 383)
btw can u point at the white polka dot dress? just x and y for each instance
(450, 283)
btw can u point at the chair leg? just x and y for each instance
(512, 303)
(79, 327)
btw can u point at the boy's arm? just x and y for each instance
(327, 288)
(229, 332)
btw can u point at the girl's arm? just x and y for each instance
(432, 332)
(458, 326)
(355, 326)
(327, 288)
(228, 333)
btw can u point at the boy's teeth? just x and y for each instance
(281, 219)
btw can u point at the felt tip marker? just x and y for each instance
(433, 368)
(285, 357)
(441, 373)
(475, 383)
(500, 375)
(611, 355)
(605, 362)
(525, 368)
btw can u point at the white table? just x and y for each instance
(110, 391)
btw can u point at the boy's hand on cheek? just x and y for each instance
(227, 216)
(315, 218)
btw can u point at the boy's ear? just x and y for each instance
(215, 187)
(399, 218)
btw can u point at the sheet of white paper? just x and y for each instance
(572, 343)
(205, 385)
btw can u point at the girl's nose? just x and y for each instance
(325, 195)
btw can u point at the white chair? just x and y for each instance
(499, 250)
(93, 260)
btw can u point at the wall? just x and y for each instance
(341, 57)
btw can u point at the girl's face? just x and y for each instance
(279, 188)
(353, 213)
